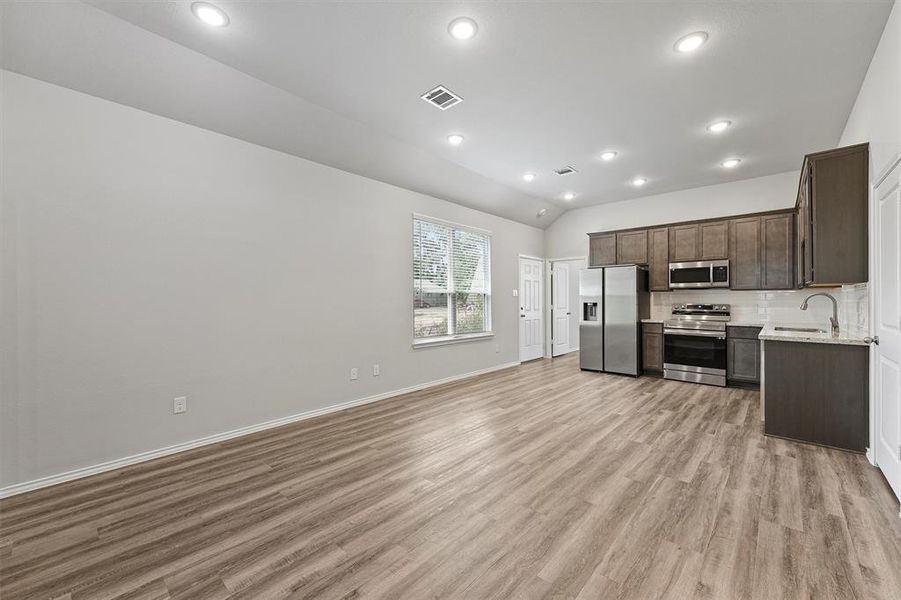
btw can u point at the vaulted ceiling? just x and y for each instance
(544, 85)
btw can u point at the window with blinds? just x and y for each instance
(451, 281)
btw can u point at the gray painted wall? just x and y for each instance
(876, 116)
(145, 259)
(567, 236)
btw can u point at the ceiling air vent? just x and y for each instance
(441, 97)
(565, 170)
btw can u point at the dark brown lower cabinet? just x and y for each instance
(652, 347)
(817, 393)
(743, 355)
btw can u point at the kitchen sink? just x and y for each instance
(801, 329)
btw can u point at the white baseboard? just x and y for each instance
(36, 484)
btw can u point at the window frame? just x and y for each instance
(452, 338)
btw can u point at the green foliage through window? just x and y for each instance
(451, 280)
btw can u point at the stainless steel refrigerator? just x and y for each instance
(613, 301)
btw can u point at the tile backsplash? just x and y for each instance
(776, 306)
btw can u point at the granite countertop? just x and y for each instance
(851, 337)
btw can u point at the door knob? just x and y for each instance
(872, 340)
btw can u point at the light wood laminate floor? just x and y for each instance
(535, 482)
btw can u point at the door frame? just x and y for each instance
(548, 300)
(894, 163)
(543, 262)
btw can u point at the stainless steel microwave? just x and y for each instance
(700, 274)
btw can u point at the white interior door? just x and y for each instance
(561, 309)
(887, 326)
(531, 314)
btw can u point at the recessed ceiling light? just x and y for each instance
(731, 163)
(719, 126)
(462, 28)
(609, 155)
(529, 176)
(568, 196)
(639, 181)
(691, 42)
(455, 139)
(541, 213)
(209, 14)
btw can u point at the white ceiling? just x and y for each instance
(544, 85)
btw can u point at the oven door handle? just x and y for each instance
(720, 335)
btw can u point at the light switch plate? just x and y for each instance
(516, 293)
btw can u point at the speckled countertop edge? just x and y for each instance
(849, 338)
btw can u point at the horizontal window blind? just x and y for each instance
(470, 265)
(430, 256)
(451, 280)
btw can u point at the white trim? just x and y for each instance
(530, 257)
(451, 339)
(453, 224)
(887, 170)
(873, 283)
(451, 288)
(36, 484)
(585, 258)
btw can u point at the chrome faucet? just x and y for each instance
(834, 318)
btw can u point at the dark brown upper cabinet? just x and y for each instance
(602, 249)
(777, 251)
(658, 255)
(760, 248)
(714, 240)
(802, 243)
(744, 253)
(684, 243)
(832, 217)
(632, 247)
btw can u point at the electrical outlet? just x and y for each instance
(180, 405)
(376, 370)
(354, 374)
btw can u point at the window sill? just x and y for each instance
(451, 339)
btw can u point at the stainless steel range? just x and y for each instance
(694, 343)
